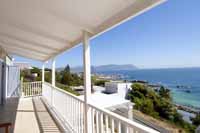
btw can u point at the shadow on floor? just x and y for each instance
(45, 122)
(27, 115)
(8, 113)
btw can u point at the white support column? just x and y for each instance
(5, 79)
(53, 72)
(53, 79)
(43, 73)
(87, 82)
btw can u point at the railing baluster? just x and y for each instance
(106, 122)
(113, 125)
(78, 117)
(34, 88)
(31, 89)
(127, 129)
(41, 85)
(71, 118)
(93, 122)
(24, 90)
(38, 88)
(72, 113)
(28, 89)
(82, 118)
(97, 122)
(119, 127)
(101, 122)
(68, 108)
(26, 85)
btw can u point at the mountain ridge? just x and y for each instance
(103, 68)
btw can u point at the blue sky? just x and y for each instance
(167, 36)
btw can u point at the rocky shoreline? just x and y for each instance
(189, 109)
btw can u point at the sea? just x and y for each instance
(184, 83)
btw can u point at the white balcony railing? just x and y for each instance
(31, 88)
(70, 109)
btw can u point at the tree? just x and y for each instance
(165, 108)
(36, 70)
(67, 69)
(66, 76)
(165, 93)
(48, 77)
(58, 77)
(159, 105)
(196, 120)
(70, 79)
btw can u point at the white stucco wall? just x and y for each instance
(123, 89)
(119, 88)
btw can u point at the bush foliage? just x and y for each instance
(157, 104)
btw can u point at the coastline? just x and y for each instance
(177, 80)
(188, 109)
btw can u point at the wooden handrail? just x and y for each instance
(6, 126)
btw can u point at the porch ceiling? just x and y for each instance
(41, 29)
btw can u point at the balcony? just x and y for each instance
(42, 30)
(44, 108)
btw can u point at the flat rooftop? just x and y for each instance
(105, 100)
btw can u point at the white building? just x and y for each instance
(9, 77)
(120, 88)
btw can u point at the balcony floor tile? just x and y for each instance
(28, 115)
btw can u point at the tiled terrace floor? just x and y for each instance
(27, 115)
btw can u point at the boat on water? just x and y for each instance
(183, 86)
(187, 91)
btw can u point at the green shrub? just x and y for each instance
(159, 105)
(100, 82)
(67, 88)
(196, 120)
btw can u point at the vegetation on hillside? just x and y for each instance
(28, 77)
(67, 88)
(157, 104)
(98, 82)
(64, 79)
(196, 120)
(67, 78)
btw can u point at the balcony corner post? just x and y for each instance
(53, 72)
(43, 73)
(87, 82)
(53, 80)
